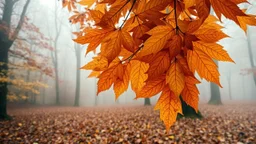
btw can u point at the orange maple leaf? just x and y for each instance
(169, 105)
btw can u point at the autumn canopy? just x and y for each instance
(157, 45)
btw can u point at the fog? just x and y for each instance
(50, 17)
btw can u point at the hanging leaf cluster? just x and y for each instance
(157, 46)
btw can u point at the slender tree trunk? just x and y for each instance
(57, 84)
(215, 93)
(43, 91)
(3, 85)
(147, 101)
(5, 45)
(250, 52)
(243, 87)
(78, 64)
(96, 97)
(229, 87)
(57, 91)
(27, 80)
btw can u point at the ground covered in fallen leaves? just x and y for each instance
(230, 123)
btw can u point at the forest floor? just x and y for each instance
(229, 123)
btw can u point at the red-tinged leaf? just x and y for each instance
(108, 77)
(111, 48)
(127, 41)
(189, 3)
(174, 46)
(111, 17)
(239, 1)
(228, 9)
(159, 65)
(121, 85)
(184, 65)
(152, 9)
(96, 15)
(203, 8)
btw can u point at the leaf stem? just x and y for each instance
(175, 16)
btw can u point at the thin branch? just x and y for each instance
(131, 56)
(175, 16)
(128, 13)
(18, 28)
(120, 9)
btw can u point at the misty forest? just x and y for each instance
(127, 71)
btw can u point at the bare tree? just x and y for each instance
(78, 74)
(55, 36)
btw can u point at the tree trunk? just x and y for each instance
(215, 95)
(147, 102)
(229, 87)
(57, 91)
(3, 85)
(57, 85)
(188, 111)
(78, 64)
(96, 97)
(5, 44)
(27, 80)
(250, 53)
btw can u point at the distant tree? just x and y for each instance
(9, 31)
(155, 50)
(229, 76)
(215, 98)
(54, 30)
(78, 74)
(147, 101)
(250, 52)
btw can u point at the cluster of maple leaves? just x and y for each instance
(157, 45)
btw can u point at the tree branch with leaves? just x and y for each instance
(155, 50)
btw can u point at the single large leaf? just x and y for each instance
(138, 74)
(175, 78)
(190, 93)
(157, 41)
(169, 105)
(204, 65)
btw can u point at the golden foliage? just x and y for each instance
(158, 45)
